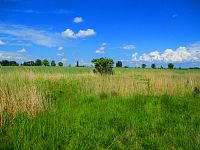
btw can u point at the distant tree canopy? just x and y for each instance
(170, 66)
(153, 66)
(45, 62)
(8, 63)
(119, 64)
(144, 65)
(103, 65)
(53, 63)
(77, 64)
(38, 62)
(60, 64)
(29, 63)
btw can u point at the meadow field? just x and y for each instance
(73, 108)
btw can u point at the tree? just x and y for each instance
(5, 63)
(38, 62)
(53, 63)
(170, 66)
(29, 63)
(153, 66)
(45, 62)
(13, 63)
(60, 64)
(103, 65)
(77, 64)
(144, 65)
(119, 64)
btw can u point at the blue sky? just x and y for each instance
(134, 31)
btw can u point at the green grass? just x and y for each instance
(78, 120)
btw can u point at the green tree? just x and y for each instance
(29, 63)
(38, 62)
(170, 66)
(103, 65)
(45, 62)
(53, 63)
(153, 66)
(77, 64)
(60, 64)
(119, 64)
(144, 65)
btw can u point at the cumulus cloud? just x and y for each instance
(2, 43)
(180, 55)
(21, 50)
(25, 33)
(60, 48)
(81, 34)
(11, 56)
(78, 20)
(128, 47)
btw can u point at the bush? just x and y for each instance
(103, 65)
(170, 66)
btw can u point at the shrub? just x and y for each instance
(103, 65)
(60, 64)
(144, 65)
(170, 66)
(119, 64)
(153, 66)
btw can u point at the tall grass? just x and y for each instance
(43, 108)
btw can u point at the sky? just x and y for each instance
(132, 31)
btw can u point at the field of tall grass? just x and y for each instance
(73, 108)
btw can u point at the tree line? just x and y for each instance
(37, 62)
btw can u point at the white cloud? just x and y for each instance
(81, 34)
(84, 63)
(61, 54)
(60, 48)
(103, 44)
(64, 60)
(100, 50)
(11, 56)
(180, 55)
(2, 43)
(134, 57)
(25, 33)
(78, 20)
(21, 50)
(129, 47)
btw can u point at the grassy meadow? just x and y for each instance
(73, 108)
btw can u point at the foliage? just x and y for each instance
(53, 63)
(29, 63)
(119, 64)
(170, 66)
(153, 66)
(144, 65)
(45, 62)
(77, 64)
(60, 64)
(38, 62)
(8, 63)
(103, 65)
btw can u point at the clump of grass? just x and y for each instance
(20, 94)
